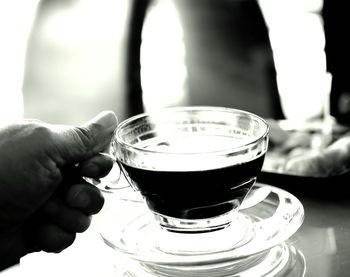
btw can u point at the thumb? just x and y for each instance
(76, 144)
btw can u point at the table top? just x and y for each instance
(323, 239)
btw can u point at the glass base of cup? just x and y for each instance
(226, 235)
(179, 225)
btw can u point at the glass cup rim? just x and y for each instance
(126, 145)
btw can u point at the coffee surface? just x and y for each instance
(195, 194)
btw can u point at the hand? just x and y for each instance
(331, 161)
(44, 201)
(293, 153)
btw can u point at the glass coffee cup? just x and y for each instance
(193, 166)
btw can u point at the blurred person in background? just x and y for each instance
(231, 48)
(311, 61)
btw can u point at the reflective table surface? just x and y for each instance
(323, 239)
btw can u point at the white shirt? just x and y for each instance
(298, 43)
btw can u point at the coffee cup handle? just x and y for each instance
(112, 182)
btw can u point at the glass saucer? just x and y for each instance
(283, 260)
(255, 237)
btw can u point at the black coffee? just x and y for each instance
(195, 194)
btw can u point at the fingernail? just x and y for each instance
(106, 119)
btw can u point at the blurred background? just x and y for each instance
(85, 56)
(82, 58)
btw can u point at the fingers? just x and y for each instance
(63, 216)
(80, 143)
(96, 167)
(326, 163)
(50, 237)
(305, 165)
(85, 197)
(69, 219)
